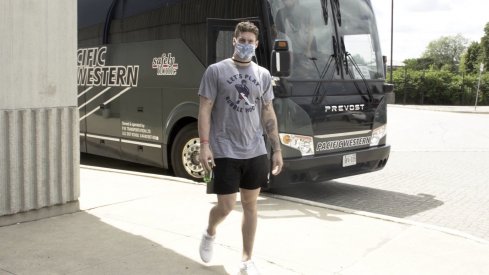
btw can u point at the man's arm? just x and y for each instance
(205, 109)
(270, 125)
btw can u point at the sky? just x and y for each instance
(418, 22)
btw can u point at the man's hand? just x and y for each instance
(277, 162)
(206, 157)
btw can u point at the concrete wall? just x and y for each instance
(38, 53)
(39, 150)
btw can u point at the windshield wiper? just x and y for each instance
(318, 99)
(349, 72)
(336, 9)
(324, 6)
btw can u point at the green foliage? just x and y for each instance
(439, 87)
(471, 58)
(485, 46)
(419, 63)
(446, 74)
(446, 51)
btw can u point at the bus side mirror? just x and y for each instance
(280, 58)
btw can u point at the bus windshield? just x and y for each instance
(309, 26)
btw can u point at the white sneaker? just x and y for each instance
(248, 268)
(206, 247)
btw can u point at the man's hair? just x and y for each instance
(246, 26)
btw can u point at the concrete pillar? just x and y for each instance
(39, 129)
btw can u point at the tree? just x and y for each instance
(472, 58)
(418, 64)
(485, 46)
(447, 50)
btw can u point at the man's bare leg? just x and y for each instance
(248, 227)
(225, 204)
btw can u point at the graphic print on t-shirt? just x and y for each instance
(243, 93)
(243, 100)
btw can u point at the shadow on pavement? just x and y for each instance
(81, 243)
(99, 161)
(362, 198)
(335, 193)
(269, 208)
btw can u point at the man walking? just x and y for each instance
(235, 106)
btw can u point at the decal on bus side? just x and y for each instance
(136, 130)
(165, 64)
(92, 70)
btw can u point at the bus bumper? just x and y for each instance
(327, 167)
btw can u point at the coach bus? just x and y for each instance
(140, 63)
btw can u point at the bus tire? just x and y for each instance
(185, 153)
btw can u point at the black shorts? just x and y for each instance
(232, 174)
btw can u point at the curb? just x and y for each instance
(442, 108)
(312, 203)
(381, 217)
(177, 179)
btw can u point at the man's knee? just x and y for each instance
(249, 201)
(249, 206)
(226, 209)
(226, 206)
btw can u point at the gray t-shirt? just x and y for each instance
(238, 93)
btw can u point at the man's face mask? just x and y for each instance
(245, 51)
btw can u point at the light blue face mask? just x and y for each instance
(245, 51)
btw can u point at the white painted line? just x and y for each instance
(141, 143)
(117, 95)
(84, 92)
(105, 103)
(103, 137)
(93, 111)
(93, 98)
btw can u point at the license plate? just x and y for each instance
(349, 160)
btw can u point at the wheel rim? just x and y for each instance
(190, 158)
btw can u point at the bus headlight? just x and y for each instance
(377, 134)
(304, 144)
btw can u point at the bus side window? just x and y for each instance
(91, 21)
(92, 12)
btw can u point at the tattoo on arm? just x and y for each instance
(205, 109)
(270, 124)
(275, 142)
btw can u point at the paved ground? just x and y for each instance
(150, 224)
(437, 172)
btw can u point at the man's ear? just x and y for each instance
(256, 44)
(234, 41)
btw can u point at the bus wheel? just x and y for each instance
(185, 154)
